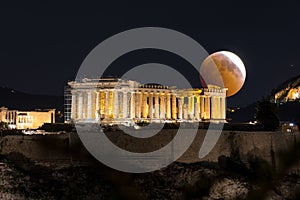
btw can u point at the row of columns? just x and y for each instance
(11, 117)
(112, 104)
(25, 119)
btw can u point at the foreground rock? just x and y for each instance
(28, 180)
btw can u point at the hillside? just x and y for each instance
(294, 81)
(286, 95)
(287, 91)
(13, 99)
(289, 111)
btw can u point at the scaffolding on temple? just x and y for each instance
(67, 103)
(110, 101)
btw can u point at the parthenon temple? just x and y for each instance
(116, 101)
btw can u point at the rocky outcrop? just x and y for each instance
(242, 164)
(205, 180)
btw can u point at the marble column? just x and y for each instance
(150, 105)
(89, 105)
(213, 107)
(196, 111)
(207, 107)
(139, 105)
(202, 110)
(100, 104)
(218, 107)
(223, 108)
(185, 112)
(97, 102)
(162, 106)
(14, 117)
(80, 106)
(111, 104)
(197, 108)
(73, 106)
(106, 113)
(189, 105)
(156, 105)
(125, 106)
(180, 108)
(116, 105)
(168, 104)
(132, 105)
(144, 105)
(174, 108)
(192, 111)
(136, 104)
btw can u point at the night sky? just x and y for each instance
(43, 44)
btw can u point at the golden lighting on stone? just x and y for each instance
(107, 103)
(27, 119)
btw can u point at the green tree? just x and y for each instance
(266, 114)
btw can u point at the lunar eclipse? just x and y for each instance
(223, 69)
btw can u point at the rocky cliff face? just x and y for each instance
(287, 91)
(253, 165)
(28, 180)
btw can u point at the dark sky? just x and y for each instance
(43, 43)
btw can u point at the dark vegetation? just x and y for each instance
(284, 111)
(267, 114)
(48, 127)
(4, 130)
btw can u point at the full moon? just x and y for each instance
(223, 69)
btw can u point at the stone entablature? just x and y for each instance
(26, 119)
(114, 101)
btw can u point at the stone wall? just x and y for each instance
(68, 149)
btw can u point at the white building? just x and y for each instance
(26, 119)
(116, 101)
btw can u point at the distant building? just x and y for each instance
(116, 101)
(26, 119)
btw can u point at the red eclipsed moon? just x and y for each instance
(223, 69)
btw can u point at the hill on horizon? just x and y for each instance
(294, 82)
(287, 110)
(14, 99)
